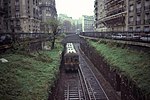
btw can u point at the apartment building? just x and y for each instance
(25, 15)
(139, 15)
(115, 19)
(111, 15)
(123, 15)
(87, 23)
(99, 14)
(47, 11)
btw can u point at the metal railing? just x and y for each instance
(138, 36)
(9, 38)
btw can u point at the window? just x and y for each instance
(131, 18)
(131, 8)
(138, 18)
(138, 5)
(33, 2)
(76, 60)
(17, 14)
(138, 29)
(16, 3)
(147, 16)
(146, 28)
(130, 28)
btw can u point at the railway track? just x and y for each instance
(93, 86)
(84, 84)
(73, 88)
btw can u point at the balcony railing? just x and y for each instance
(147, 8)
(131, 1)
(138, 22)
(114, 3)
(107, 1)
(131, 22)
(48, 5)
(96, 8)
(96, 2)
(147, 21)
(119, 15)
(17, 8)
(115, 11)
(138, 1)
(138, 10)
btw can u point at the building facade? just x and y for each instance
(138, 15)
(26, 15)
(116, 15)
(67, 23)
(47, 11)
(122, 15)
(87, 23)
(99, 14)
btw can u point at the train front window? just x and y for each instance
(67, 60)
(76, 60)
(71, 59)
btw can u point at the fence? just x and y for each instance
(137, 36)
(33, 40)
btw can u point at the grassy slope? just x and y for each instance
(134, 64)
(28, 77)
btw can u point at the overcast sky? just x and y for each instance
(75, 8)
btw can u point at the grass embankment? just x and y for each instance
(28, 77)
(134, 64)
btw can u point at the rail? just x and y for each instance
(91, 92)
(74, 89)
(84, 84)
(94, 89)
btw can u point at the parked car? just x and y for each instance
(145, 38)
(119, 36)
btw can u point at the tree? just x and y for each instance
(53, 24)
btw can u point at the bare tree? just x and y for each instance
(54, 24)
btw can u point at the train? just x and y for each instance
(71, 58)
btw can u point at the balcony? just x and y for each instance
(42, 5)
(114, 3)
(138, 10)
(147, 21)
(96, 14)
(131, 22)
(114, 20)
(96, 8)
(108, 1)
(138, 22)
(96, 3)
(147, 8)
(138, 1)
(131, 1)
(17, 8)
(115, 11)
